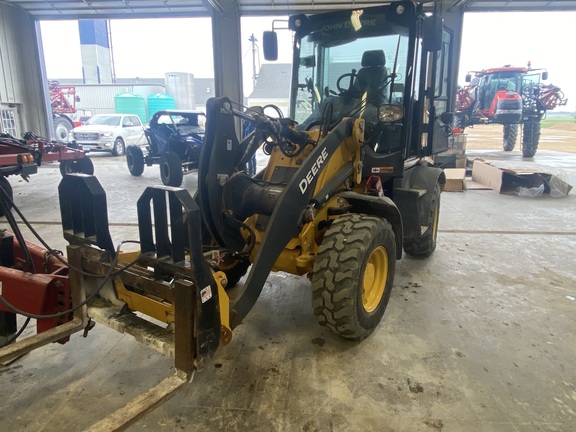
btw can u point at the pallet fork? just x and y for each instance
(168, 280)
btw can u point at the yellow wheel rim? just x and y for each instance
(375, 276)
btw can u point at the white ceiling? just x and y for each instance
(86, 9)
(516, 5)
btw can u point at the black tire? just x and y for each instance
(171, 169)
(62, 128)
(234, 270)
(135, 160)
(119, 149)
(7, 188)
(82, 166)
(510, 136)
(353, 275)
(424, 244)
(86, 165)
(530, 138)
(458, 123)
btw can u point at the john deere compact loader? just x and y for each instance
(347, 186)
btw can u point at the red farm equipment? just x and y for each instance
(15, 159)
(63, 101)
(509, 96)
(22, 157)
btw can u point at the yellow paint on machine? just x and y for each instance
(157, 309)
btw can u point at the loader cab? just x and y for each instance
(493, 81)
(388, 59)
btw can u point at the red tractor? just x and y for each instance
(509, 96)
(62, 101)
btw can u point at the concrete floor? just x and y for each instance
(479, 337)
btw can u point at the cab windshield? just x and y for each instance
(351, 73)
(510, 81)
(104, 120)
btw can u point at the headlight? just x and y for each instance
(107, 134)
(390, 113)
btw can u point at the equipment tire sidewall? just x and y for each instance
(371, 319)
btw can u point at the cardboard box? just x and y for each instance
(527, 181)
(455, 180)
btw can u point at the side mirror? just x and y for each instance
(545, 75)
(270, 45)
(390, 113)
(432, 33)
(468, 77)
(128, 124)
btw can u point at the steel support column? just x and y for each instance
(227, 53)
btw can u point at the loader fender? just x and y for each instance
(382, 207)
(414, 197)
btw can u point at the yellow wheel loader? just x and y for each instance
(347, 186)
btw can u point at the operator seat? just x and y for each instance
(371, 77)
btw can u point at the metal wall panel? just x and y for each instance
(99, 99)
(9, 89)
(21, 77)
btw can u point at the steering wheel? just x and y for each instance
(275, 108)
(351, 75)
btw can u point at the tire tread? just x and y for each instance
(530, 138)
(424, 245)
(510, 137)
(336, 270)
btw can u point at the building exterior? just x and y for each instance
(99, 98)
(180, 85)
(95, 51)
(272, 87)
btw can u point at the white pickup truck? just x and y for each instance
(109, 132)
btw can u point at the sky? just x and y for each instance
(150, 48)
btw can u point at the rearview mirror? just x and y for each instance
(270, 45)
(432, 33)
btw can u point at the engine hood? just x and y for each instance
(95, 128)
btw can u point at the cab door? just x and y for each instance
(133, 128)
(440, 103)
